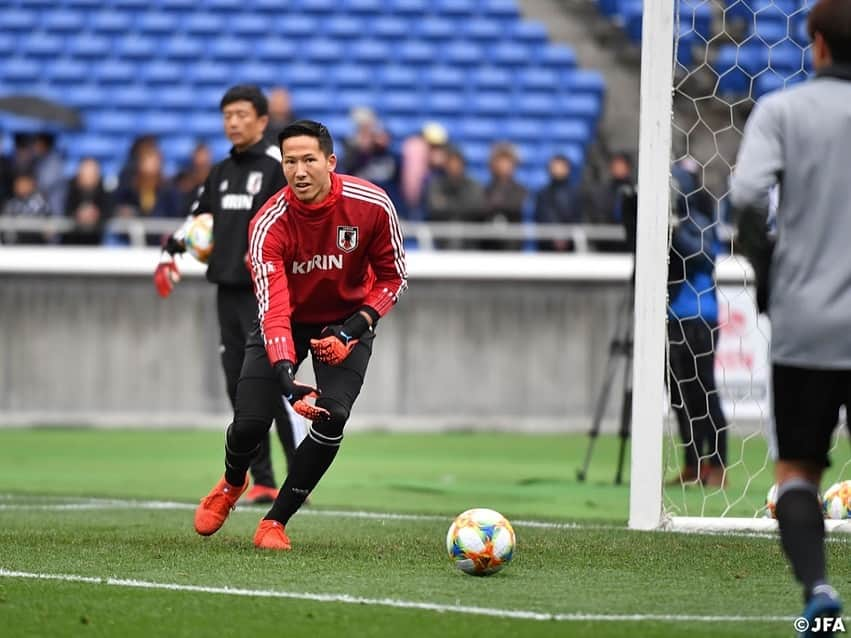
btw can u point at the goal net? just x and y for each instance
(701, 455)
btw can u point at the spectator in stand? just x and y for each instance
(556, 202)
(367, 153)
(602, 200)
(88, 204)
(49, 170)
(149, 194)
(456, 197)
(280, 113)
(193, 176)
(26, 202)
(423, 158)
(505, 197)
(128, 170)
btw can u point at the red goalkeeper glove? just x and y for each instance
(296, 393)
(335, 343)
(166, 275)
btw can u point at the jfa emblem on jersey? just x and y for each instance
(254, 182)
(347, 238)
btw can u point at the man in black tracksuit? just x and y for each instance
(235, 189)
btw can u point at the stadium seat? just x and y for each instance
(131, 98)
(259, 73)
(20, 20)
(584, 107)
(563, 130)
(8, 44)
(323, 50)
(521, 130)
(457, 8)
(294, 25)
(204, 24)
(503, 9)
(178, 148)
(371, 51)
(112, 121)
(309, 102)
(786, 58)
(480, 129)
(367, 7)
(463, 53)
(159, 72)
(351, 75)
(418, 52)
(67, 72)
(397, 75)
(388, 27)
(20, 70)
(248, 25)
(176, 6)
(536, 79)
(181, 98)
(536, 104)
(304, 76)
(490, 77)
(229, 49)
(136, 47)
(272, 49)
(205, 125)
(109, 22)
(224, 6)
(324, 8)
(162, 123)
(88, 46)
(400, 102)
(114, 72)
(771, 32)
(530, 32)
(157, 23)
(411, 8)
(434, 28)
(444, 103)
(344, 27)
(348, 99)
(488, 30)
(444, 77)
(101, 147)
(401, 127)
(61, 21)
(41, 45)
(584, 81)
(209, 73)
(493, 103)
(182, 48)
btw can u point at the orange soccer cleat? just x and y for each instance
(271, 535)
(216, 506)
(261, 494)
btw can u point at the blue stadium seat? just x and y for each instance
(456, 8)
(162, 123)
(259, 73)
(157, 22)
(344, 27)
(136, 47)
(125, 5)
(308, 102)
(434, 28)
(111, 120)
(229, 48)
(207, 125)
(176, 6)
(510, 54)
(348, 99)
(445, 103)
(504, 9)
(249, 24)
(388, 27)
(555, 56)
(482, 129)
(485, 29)
(696, 15)
(182, 48)
(304, 76)
(181, 98)
(8, 44)
(219, 146)
(537, 79)
(88, 46)
(400, 102)
(444, 77)
(223, 6)
(159, 72)
(400, 126)
(786, 58)
(476, 153)
(131, 98)
(493, 103)
(178, 148)
(370, 51)
(20, 70)
(101, 147)
(584, 107)
(418, 52)
(205, 24)
(368, 7)
(536, 104)
(294, 25)
(324, 8)
(12, 19)
(86, 4)
(414, 8)
(109, 22)
(323, 50)
(61, 21)
(351, 75)
(771, 32)
(462, 53)
(66, 72)
(530, 32)
(114, 72)
(523, 129)
(209, 73)
(397, 75)
(41, 46)
(562, 130)
(490, 77)
(274, 49)
(584, 81)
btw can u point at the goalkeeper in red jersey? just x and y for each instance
(327, 262)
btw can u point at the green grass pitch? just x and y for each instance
(96, 539)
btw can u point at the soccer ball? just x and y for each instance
(480, 542)
(199, 237)
(771, 502)
(837, 500)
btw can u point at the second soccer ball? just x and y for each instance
(199, 237)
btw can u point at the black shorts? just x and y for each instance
(341, 383)
(806, 410)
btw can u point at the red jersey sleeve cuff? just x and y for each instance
(279, 349)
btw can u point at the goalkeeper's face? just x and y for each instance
(307, 169)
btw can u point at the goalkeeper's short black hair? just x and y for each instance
(249, 93)
(832, 18)
(309, 128)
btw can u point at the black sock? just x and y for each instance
(237, 460)
(312, 459)
(802, 531)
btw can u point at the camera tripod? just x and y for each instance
(619, 347)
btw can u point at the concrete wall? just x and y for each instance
(454, 353)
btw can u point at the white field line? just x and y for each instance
(517, 614)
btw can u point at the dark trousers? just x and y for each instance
(694, 395)
(237, 310)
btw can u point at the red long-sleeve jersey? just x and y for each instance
(319, 263)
